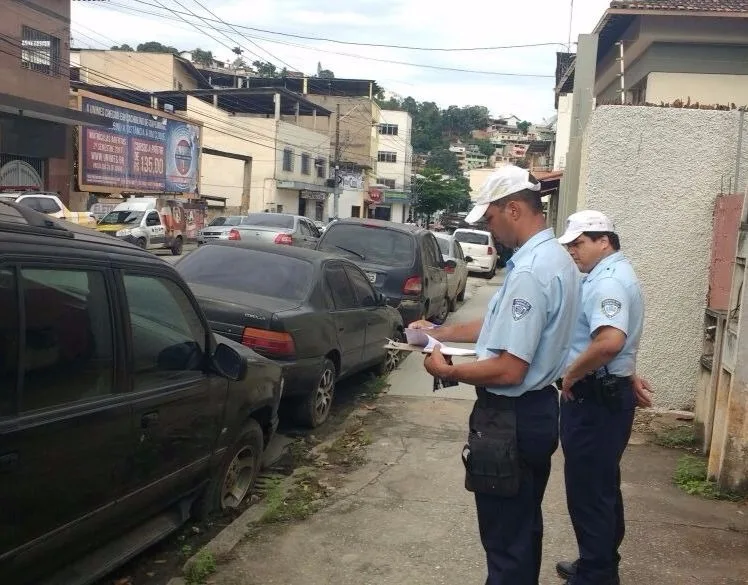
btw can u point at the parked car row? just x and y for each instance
(276, 228)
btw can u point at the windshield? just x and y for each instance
(472, 238)
(269, 219)
(124, 216)
(369, 244)
(443, 246)
(252, 271)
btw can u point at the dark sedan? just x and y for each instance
(316, 314)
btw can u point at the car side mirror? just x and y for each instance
(450, 264)
(469, 259)
(229, 363)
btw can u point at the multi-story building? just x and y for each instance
(469, 156)
(35, 122)
(264, 148)
(394, 166)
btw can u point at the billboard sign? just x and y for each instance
(144, 150)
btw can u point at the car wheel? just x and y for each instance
(442, 315)
(393, 357)
(141, 243)
(492, 273)
(178, 246)
(453, 304)
(315, 408)
(236, 474)
(461, 294)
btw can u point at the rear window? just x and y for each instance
(252, 271)
(269, 220)
(369, 244)
(443, 246)
(472, 238)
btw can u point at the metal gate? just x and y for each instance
(21, 172)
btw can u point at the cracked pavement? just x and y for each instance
(404, 518)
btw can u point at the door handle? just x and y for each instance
(8, 462)
(149, 419)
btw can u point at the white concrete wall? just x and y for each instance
(699, 87)
(401, 170)
(657, 172)
(222, 177)
(563, 131)
(348, 198)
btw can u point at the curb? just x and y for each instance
(223, 543)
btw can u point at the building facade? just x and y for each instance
(35, 122)
(394, 166)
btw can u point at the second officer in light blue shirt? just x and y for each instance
(521, 344)
(599, 397)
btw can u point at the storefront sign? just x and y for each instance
(315, 195)
(375, 195)
(396, 197)
(144, 150)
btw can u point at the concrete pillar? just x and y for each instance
(277, 101)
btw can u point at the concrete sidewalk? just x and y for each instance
(404, 518)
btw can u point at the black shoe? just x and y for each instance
(566, 569)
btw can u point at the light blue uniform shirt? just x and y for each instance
(532, 315)
(611, 296)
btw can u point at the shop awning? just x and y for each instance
(17, 106)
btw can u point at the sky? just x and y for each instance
(528, 93)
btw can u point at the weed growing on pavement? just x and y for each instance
(297, 503)
(691, 476)
(202, 567)
(681, 437)
(375, 386)
(348, 449)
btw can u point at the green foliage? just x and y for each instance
(265, 69)
(445, 160)
(486, 146)
(202, 57)
(676, 437)
(691, 476)
(524, 126)
(122, 47)
(202, 567)
(324, 73)
(436, 192)
(156, 47)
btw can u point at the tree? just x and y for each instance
(446, 161)
(123, 47)
(156, 47)
(437, 192)
(524, 126)
(202, 57)
(265, 69)
(324, 73)
(486, 147)
(239, 63)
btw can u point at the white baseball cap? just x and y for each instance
(505, 181)
(588, 220)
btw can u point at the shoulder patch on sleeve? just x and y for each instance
(611, 307)
(520, 308)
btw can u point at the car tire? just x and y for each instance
(178, 246)
(461, 294)
(314, 409)
(492, 273)
(442, 316)
(392, 358)
(141, 243)
(453, 304)
(236, 474)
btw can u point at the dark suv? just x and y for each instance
(120, 412)
(403, 261)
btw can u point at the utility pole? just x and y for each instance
(336, 188)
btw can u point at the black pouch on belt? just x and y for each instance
(491, 457)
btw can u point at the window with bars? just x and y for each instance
(385, 156)
(321, 164)
(388, 129)
(288, 159)
(40, 52)
(306, 164)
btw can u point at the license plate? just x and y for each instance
(371, 276)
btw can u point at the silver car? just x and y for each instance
(457, 276)
(270, 228)
(215, 224)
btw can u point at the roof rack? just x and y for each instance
(14, 217)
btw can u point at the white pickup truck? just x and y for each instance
(50, 204)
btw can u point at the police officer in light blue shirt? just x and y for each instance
(521, 345)
(600, 393)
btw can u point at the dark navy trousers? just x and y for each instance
(593, 438)
(511, 529)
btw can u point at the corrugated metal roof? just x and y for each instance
(684, 5)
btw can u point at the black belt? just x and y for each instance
(488, 399)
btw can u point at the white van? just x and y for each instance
(481, 247)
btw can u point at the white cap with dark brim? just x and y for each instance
(505, 181)
(588, 220)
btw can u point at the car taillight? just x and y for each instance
(413, 286)
(276, 343)
(284, 239)
(450, 269)
(490, 251)
(234, 235)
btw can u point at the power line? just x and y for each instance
(381, 45)
(354, 56)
